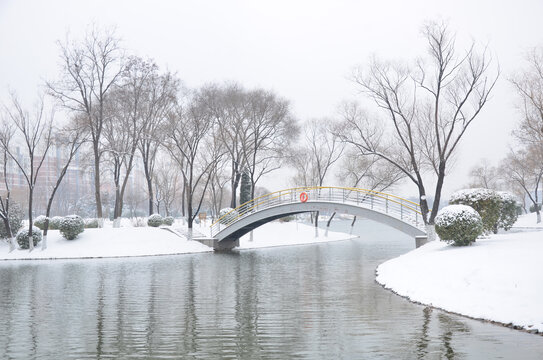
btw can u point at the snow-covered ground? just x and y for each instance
(528, 221)
(109, 242)
(145, 241)
(498, 278)
(289, 233)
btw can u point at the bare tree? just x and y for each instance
(120, 147)
(529, 85)
(219, 177)
(127, 108)
(35, 132)
(89, 70)
(6, 133)
(188, 144)
(323, 149)
(270, 130)
(314, 159)
(368, 172)
(228, 107)
(217, 187)
(69, 139)
(160, 97)
(169, 183)
(525, 168)
(428, 110)
(484, 175)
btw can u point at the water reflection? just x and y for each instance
(307, 302)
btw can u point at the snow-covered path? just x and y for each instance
(498, 278)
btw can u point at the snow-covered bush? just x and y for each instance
(22, 237)
(71, 226)
(138, 222)
(508, 213)
(40, 222)
(532, 208)
(485, 201)
(91, 223)
(227, 215)
(15, 221)
(155, 220)
(54, 222)
(168, 220)
(459, 224)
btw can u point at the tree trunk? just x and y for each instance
(6, 225)
(437, 196)
(8, 231)
(123, 188)
(316, 218)
(47, 214)
(330, 220)
(149, 186)
(236, 176)
(183, 202)
(97, 195)
(189, 211)
(117, 207)
(423, 204)
(30, 220)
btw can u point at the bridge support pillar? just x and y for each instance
(420, 240)
(225, 245)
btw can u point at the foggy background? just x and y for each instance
(303, 50)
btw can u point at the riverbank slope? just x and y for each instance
(497, 279)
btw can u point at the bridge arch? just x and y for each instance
(401, 214)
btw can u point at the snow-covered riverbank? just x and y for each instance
(497, 279)
(148, 241)
(109, 242)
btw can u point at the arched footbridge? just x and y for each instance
(399, 213)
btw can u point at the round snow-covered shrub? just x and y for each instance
(459, 224)
(91, 223)
(227, 215)
(15, 221)
(508, 213)
(40, 222)
(71, 226)
(168, 220)
(155, 220)
(22, 237)
(485, 201)
(54, 222)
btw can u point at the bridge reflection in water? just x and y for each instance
(392, 210)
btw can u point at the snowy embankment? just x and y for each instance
(108, 242)
(497, 279)
(129, 241)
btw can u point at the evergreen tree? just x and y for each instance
(245, 189)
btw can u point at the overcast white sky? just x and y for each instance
(304, 50)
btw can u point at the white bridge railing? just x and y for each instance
(392, 205)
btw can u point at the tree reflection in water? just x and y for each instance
(307, 302)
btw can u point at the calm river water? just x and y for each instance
(299, 302)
